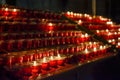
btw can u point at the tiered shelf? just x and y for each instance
(102, 27)
(36, 44)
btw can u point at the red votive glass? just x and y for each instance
(52, 62)
(45, 64)
(60, 60)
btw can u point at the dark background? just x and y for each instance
(106, 8)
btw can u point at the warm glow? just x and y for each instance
(113, 40)
(50, 24)
(34, 63)
(90, 43)
(80, 22)
(119, 29)
(115, 33)
(86, 51)
(107, 30)
(119, 38)
(44, 60)
(79, 15)
(97, 31)
(6, 9)
(51, 58)
(109, 34)
(82, 36)
(94, 43)
(109, 41)
(68, 13)
(95, 49)
(71, 13)
(86, 35)
(118, 43)
(14, 10)
(58, 56)
(104, 47)
(101, 47)
(109, 23)
(75, 14)
(90, 18)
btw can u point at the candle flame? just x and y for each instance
(86, 51)
(109, 41)
(90, 43)
(68, 13)
(34, 63)
(86, 35)
(98, 31)
(109, 23)
(14, 10)
(95, 49)
(101, 47)
(51, 58)
(44, 59)
(58, 56)
(79, 22)
(50, 24)
(6, 9)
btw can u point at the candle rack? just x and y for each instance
(37, 44)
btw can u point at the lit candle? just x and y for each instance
(101, 50)
(34, 67)
(52, 62)
(95, 51)
(82, 38)
(14, 12)
(6, 12)
(86, 37)
(80, 22)
(86, 54)
(44, 64)
(60, 60)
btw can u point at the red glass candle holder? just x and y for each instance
(35, 67)
(60, 60)
(52, 62)
(10, 61)
(44, 64)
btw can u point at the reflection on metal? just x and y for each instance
(94, 7)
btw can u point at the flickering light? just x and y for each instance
(97, 31)
(80, 22)
(34, 63)
(115, 33)
(109, 23)
(107, 30)
(6, 9)
(94, 49)
(68, 13)
(14, 10)
(109, 41)
(86, 35)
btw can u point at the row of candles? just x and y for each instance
(108, 34)
(21, 44)
(42, 26)
(14, 12)
(103, 27)
(38, 54)
(37, 63)
(86, 18)
(30, 20)
(34, 35)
